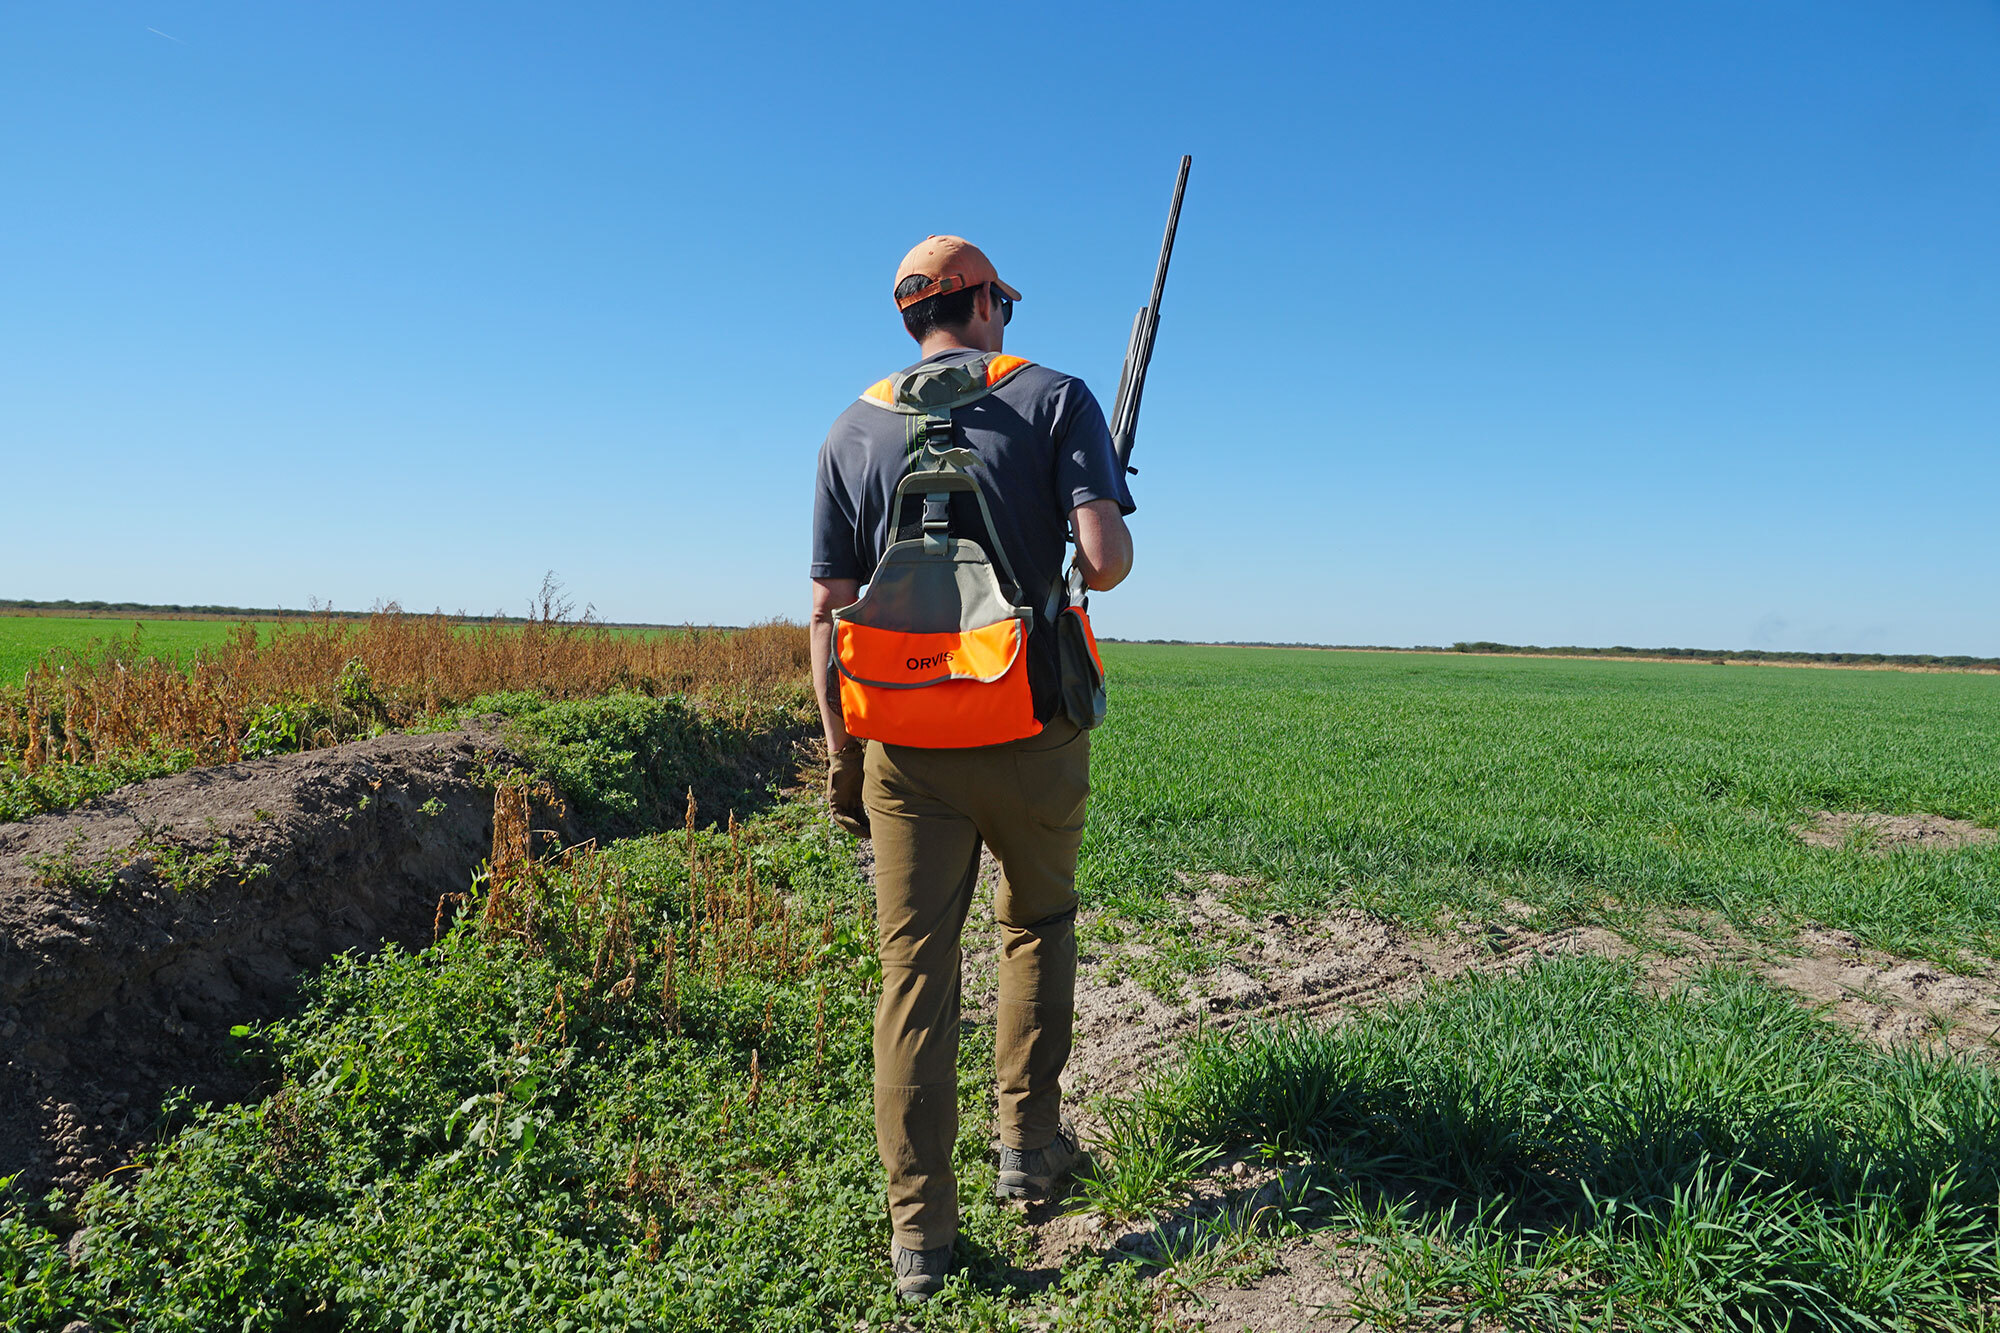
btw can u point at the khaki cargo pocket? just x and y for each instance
(1055, 780)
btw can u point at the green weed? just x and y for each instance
(181, 869)
(61, 785)
(632, 759)
(68, 868)
(193, 869)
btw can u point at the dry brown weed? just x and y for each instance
(335, 679)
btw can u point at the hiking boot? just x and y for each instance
(1033, 1173)
(920, 1274)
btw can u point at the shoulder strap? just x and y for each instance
(930, 388)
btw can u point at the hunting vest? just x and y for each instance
(934, 653)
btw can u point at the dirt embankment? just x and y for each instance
(135, 931)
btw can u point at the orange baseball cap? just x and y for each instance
(952, 264)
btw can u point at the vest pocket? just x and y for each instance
(1083, 698)
(948, 690)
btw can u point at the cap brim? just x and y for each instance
(1006, 291)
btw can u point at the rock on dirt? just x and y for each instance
(137, 929)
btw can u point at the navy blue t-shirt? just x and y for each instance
(1043, 449)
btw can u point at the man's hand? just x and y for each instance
(843, 788)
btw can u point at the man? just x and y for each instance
(1043, 459)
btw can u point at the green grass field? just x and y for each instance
(522, 1129)
(1418, 784)
(23, 639)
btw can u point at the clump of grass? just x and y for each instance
(630, 760)
(1541, 1148)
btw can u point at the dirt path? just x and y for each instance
(136, 930)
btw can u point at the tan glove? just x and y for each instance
(843, 788)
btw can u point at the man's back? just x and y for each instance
(1040, 447)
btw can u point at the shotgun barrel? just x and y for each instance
(1145, 327)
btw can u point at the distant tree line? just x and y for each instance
(1737, 655)
(1273, 643)
(1957, 660)
(68, 607)
(71, 608)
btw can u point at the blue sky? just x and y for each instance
(1668, 323)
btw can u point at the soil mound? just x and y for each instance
(136, 930)
(1861, 831)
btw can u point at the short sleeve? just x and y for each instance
(833, 541)
(1086, 467)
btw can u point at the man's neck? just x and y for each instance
(939, 340)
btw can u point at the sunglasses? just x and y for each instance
(1006, 306)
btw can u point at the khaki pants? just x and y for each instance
(929, 811)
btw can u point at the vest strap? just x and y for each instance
(930, 388)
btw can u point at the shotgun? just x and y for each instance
(1139, 348)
